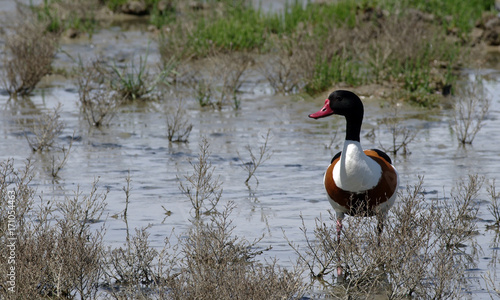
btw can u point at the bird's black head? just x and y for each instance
(340, 102)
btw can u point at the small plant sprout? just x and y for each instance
(44, 131)
(471, 108)
(178, 126)
(203, 189)
(256, 160)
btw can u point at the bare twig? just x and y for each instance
(201, 187)
(45, 130)
(471, 108)
(178, 126)
(264, 154)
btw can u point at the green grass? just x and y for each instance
(115, 4)
(59, 19)
(421, 65)
(237, 25)
(243, 27)
(455, 15)
(136, 82)
(329, 71)
(240, 29)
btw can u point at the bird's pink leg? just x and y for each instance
(339, 230)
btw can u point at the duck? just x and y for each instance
(358, 182)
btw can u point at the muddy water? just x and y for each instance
(290, 182)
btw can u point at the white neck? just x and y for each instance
(356, 172)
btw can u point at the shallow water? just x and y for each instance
(290, 182)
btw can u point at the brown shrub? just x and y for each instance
(220, 87)
(419, 254)
(30, 51)
(203, 189)
(218, 265)
(471, 109)
(178, 126)
(57, 254)
(97, 103)
(44, 130)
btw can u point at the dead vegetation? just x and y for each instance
(30, 51)
(423, 252)
(51, 242)
(220, 87)
(220, 265)
(44, 131)
(401, 136)
(203, 189)
(53, 239)
(42, 135)
(97, 103)
(287, 69)
(494, 205)
(178, 126)
(257, 159)
(471, 107)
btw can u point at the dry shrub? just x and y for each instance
(44, 130)
(133, 264)
(139, 271)
(29, 54)
(42, 134)
(263, 155)
(57, 163)
(304, 61)
(494, 205)
(178, 126)
(97, 103)
(390, 43)
(174, 47)
(472, 104)
(220, 88)
(218, 265)
(203, 189)
(392, 38)
(207, 262)
(57, 253)
(421, 252)
(402, 136)
(287, 70)
(78, 15)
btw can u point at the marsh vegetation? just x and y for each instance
(207, 106)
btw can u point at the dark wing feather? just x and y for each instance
(383, 155)
(336, 156)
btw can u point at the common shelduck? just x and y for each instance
(357, 182)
